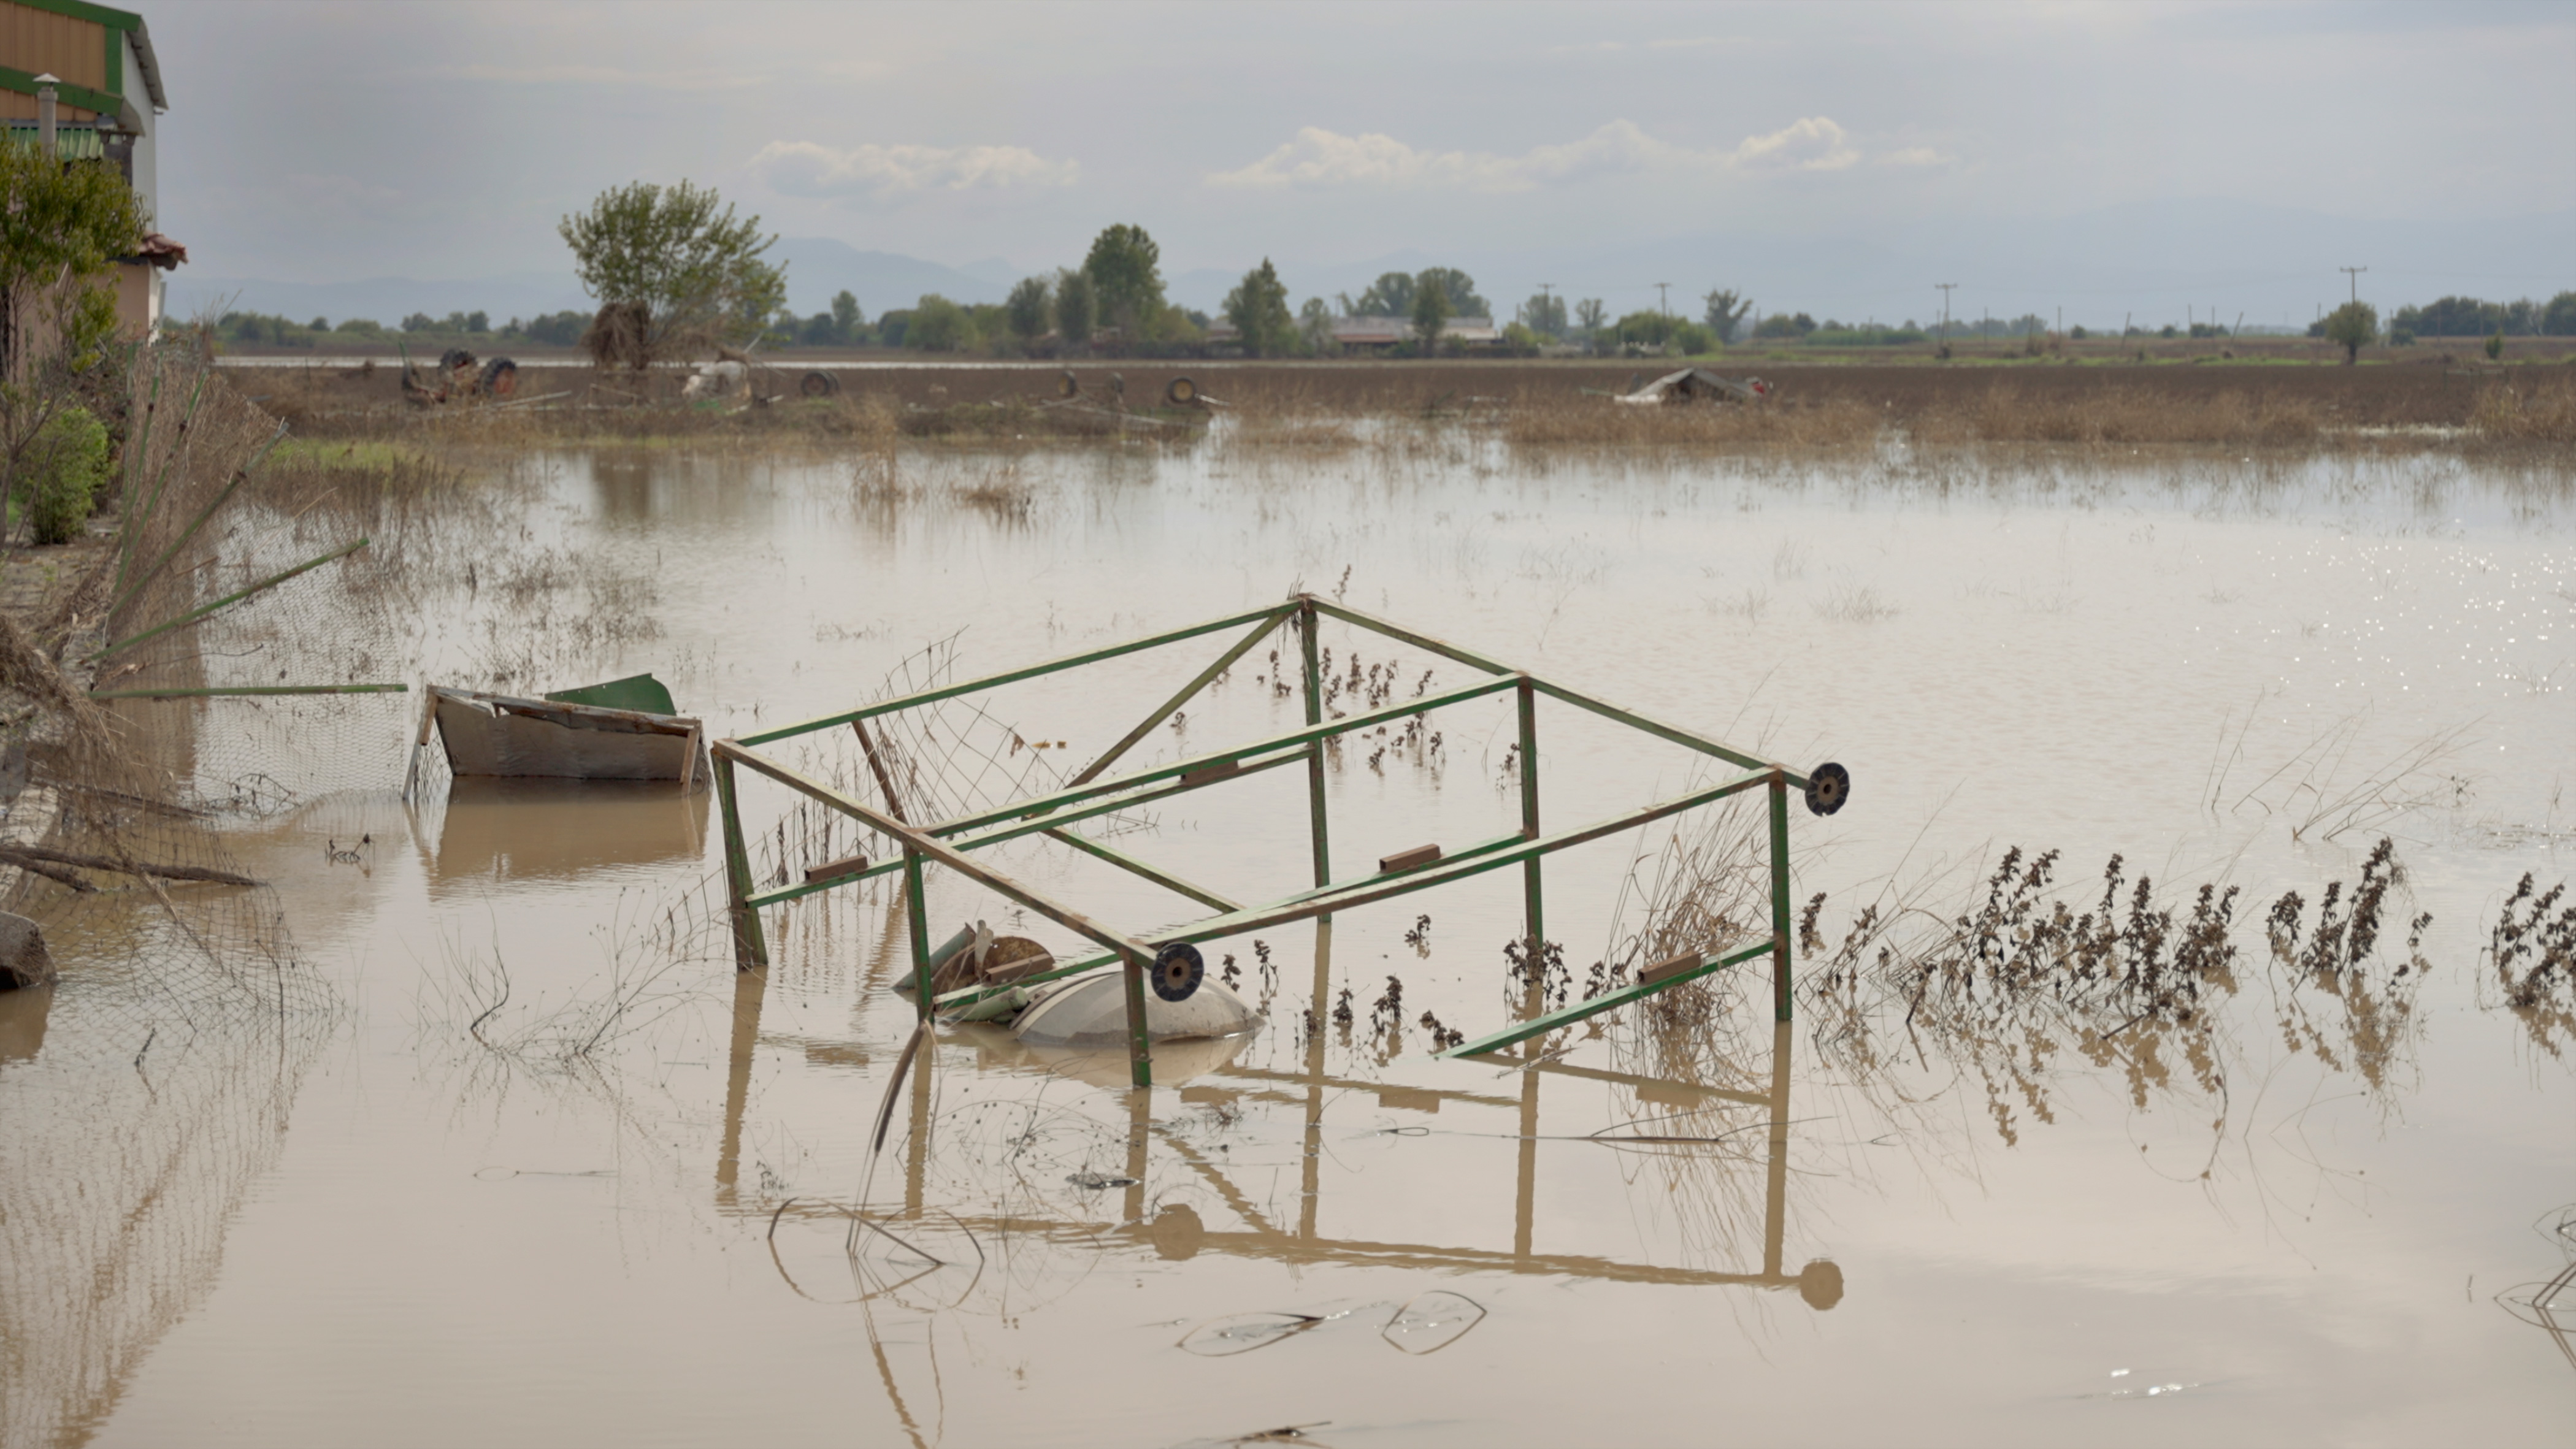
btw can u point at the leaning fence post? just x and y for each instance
(1779, 896)
(1314, 752)
(749, 950)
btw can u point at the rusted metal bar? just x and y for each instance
(876, 766)
(1567, 1015)
(916, 910)
(1014, 676)
(1169, 707)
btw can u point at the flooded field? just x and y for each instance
(2172, 1057)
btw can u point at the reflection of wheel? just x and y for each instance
(1069, 386)
(1828, 788)
(818, 384)
(500, 377)
(1178, 969)
(1181, 393)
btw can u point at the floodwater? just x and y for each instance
(531, 1163)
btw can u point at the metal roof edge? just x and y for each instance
(24, 82)
(149, 63)
(82, 10)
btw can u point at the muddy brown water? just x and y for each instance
(540, 1166)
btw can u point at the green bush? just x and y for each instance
(66, 466)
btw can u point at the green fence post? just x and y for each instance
(1531, 917)
(918, 911)
(1140, 1052)
(749, 950)
(1779, 896)
(1306, 621)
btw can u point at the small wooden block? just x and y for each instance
(1674, 967)
(1212, 772)
(835, 869)
(1408, 859)
(1409, 1099)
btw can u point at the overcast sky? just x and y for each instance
(338, 141)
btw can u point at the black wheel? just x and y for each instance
(500, 377)
(818, 384)
(455, 359)
(1178, 969)
(1181, 393)
(1828, 788)
(1069, 385)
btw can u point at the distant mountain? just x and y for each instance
(818, 267)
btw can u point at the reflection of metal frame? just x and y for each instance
(949, 842)
(1820, 1282)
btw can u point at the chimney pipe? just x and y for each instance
(45, 113)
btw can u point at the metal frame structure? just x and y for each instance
(1093, 792)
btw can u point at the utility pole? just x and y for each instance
(1660, 304)
(1945, 308)
(2355, 273)
(1546, 310)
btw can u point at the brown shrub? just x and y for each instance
(2542, 412)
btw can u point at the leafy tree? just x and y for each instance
(419, 322)
(1691, 339)
(2558, 319)
(847, 319)
(1028, 311)
(1125, 267)
(1258, 308)
(2352, 326)
(1389, 296)
(1648, 328)
(892, 326)
(1460, 289)
(679, 254)
(1431, 312)
(1726, 313)
(555, 329)
(61, 226)
(1544, 315)
(1589, 314)
(1784, 324)
(370, 327)
(67, 467)
(1077, 308)
(1315, 320)
(939, 325)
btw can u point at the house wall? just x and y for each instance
(147, 175)
(40, 42)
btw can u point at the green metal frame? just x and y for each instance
(1093, 793)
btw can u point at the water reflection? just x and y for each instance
(499, 831)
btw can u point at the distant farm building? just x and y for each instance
(107, 102)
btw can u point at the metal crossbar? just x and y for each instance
(947, 843)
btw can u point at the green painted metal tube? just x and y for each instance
(1533, 918)
(1097, 788)
(203, 611)
(916, 909)
(1393, 630)
(1014, 832)
(1780, 992)
(995, 681)
(1187, 692)
(1154, 873)
(968, 995)
(1566, 1015)
(1378, 888)
(1684, 738)
(249, 689)
(940, 955)
(1317, 826)
(749, 949)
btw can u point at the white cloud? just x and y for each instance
(1812, 144)
(802, 168)
(1321, 158)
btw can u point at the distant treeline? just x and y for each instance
(1027, 325)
